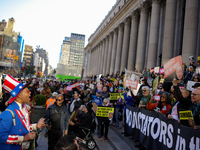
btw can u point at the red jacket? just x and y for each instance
(164, 110)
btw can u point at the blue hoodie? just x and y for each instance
(97, 100)
(129, 100)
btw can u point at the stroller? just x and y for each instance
(85, 137)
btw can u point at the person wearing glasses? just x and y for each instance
(57, 117)
(182, 103)
(163, 106)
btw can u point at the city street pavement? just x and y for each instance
(116, 141)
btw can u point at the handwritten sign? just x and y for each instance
(156, 69)
(131, 79)
(104, 111)
(190, 84)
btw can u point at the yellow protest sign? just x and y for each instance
(116, 96)
(161, 80)
(104, 111)
(199, 58)
(155, 83)
(185, 115)
(112, 79)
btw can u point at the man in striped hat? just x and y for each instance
(15, 127)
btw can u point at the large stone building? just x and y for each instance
(28, 56)
(143, 34)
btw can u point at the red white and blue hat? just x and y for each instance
(13, 87)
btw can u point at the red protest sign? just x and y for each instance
(152, 70)
(131, 83)
(75, 85)
(161, 71)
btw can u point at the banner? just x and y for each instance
(104, 111)
(173, 68)
(131, 79)
(155, 131)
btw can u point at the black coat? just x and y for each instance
(85, 121)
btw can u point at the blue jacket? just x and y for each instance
(7, 129)
(129, 100)
(64, 118)
(94, 98)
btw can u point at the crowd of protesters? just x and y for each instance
(69, 108)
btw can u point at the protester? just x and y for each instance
(163, 106)
(51, 100)
(105, 123)
(76, 103)
(96, 98)
(105, 93)
(58, 121)
(14, 122)
(46, 91)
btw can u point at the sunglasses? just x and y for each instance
(59, 99)
(144, 90)
(162, 96)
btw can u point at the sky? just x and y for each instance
(47, 22)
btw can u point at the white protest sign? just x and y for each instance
(190, 84)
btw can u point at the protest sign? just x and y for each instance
(94, 107)
(198, 58)
(157, 97)
(155, 131)
(69, 88)
(185, 115)
(190, 84)
(131, 79)
(162, 80)
(157, 70)
(112, 79)
(173, 68)
(155, 83)
(152, 70)
(74, 85)
(198, 70)
(115, 96)
(104, 111)
(161, 71)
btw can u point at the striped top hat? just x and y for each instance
(13, 87)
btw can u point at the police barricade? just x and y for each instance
(155, 131)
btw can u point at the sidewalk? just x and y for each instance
(42, 141)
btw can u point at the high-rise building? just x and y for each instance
(71, 56)
(28, 56)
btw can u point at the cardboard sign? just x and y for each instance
(156, 69)
(75, 85)
(155, 83)
(131, 79)
(173, 68)
(94, 107)
(190, 84)
(161, 71)
(104, 111)
(185, 115)
(116, 96)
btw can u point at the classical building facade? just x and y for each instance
(138, 34)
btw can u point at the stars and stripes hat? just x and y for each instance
(13, 87)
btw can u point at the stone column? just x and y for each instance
(154, 34)
(85, 64)
(105, 55)
(98, 58)
(133, 41)
(95, 61)
(109, 53)
(125, 48)
(142, 36)
(114, 49)
(102, 55)
(190, 30)
(89, 59)
(169, 31)
(119, 48)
